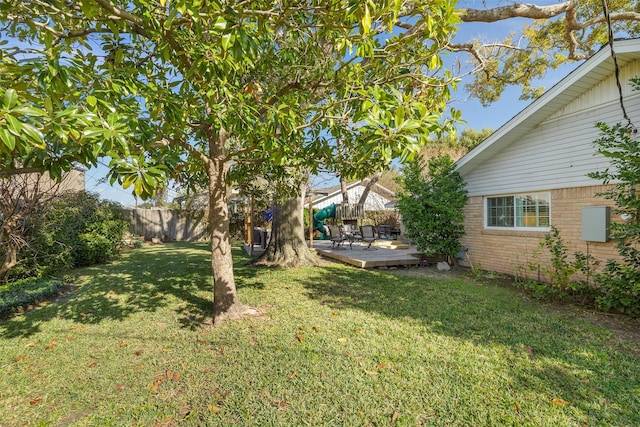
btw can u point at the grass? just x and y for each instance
(336, 346)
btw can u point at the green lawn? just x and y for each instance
(336, 346)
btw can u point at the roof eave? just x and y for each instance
(534, 113)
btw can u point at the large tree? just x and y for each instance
(184, 88)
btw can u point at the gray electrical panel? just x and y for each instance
(595, 223)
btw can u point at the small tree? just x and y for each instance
(432, 205)
(619, 283)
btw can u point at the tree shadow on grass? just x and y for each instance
(567, 357)
(146, 280)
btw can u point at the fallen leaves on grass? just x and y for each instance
(394, 417)
(165, 376)
(293, 375)
(559, 401)
(299, 337)
(280, 404)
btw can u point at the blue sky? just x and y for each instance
(476, 116)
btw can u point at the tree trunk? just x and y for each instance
(344, 190)
(11, 245)
(226, 304)
(287, 247)
(367, 189)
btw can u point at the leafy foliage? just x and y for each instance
(22, 293)
(619, 283)
(432, 205)
(558, 33)
(187, 88)
(75, 229)
(557, 279)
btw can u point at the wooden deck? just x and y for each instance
(376, 256)
(358, 255)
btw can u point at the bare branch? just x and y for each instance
(531, 11)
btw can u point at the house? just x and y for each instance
(532, 172)
(40, 184)
(379, 198)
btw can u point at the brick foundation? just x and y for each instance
(510, 251)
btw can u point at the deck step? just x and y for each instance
(390, 244)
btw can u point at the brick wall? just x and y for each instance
(507, 251)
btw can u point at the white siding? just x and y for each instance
(374, 201)
(559, 152)
(602, 93)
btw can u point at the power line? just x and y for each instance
(607, 17)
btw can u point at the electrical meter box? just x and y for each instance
(595, 223)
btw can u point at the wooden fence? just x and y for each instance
(168, 224)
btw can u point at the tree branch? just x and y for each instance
(517, 10)
(4, 173)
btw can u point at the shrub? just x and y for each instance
(557, 278)
(432, 205)
(75, 229)
(25, 292)
(619, 283)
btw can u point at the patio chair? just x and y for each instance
(350, 233)
(337, 239)
(368, 235)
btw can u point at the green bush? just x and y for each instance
(93, 248)
(432, 205)
(75, 229)
(25, 292)
(556, 278)
(619, 283)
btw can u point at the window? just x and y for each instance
(518, 211)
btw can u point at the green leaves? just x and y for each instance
(10, 98)
(144, 177)
(432, 205)
(17, 135)
(284, 85)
